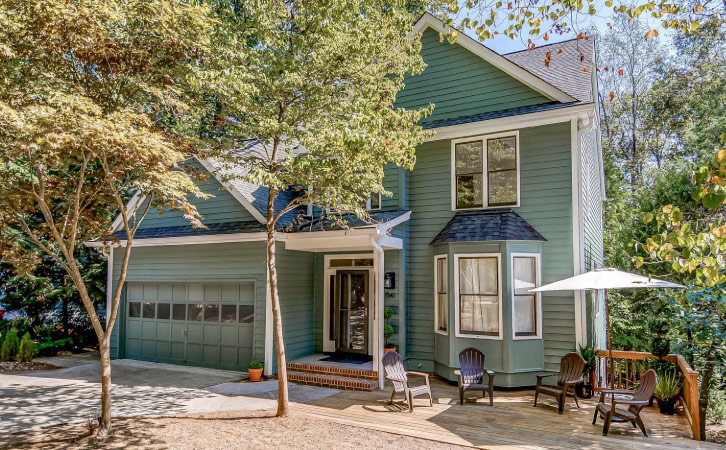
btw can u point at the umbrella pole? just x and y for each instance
(608, 334)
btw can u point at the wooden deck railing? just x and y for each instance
(630, 366)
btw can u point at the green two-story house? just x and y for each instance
(506, 196)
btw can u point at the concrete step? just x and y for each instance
(332, 370)
(332, 381)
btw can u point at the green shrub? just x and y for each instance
(717, 406)
(387, 313)
(668, 385)
(387, 332)
(27, 348)
(588, 354)
(51, 347)
(255, 365)
(10, 346)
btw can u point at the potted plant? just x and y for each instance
(588, 354)
(388, 330)
(667, 389)
(255, 371)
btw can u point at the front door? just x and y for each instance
(351, 311)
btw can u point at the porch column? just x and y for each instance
(378, 303)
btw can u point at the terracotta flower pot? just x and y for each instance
(389, 349)
(255, 374)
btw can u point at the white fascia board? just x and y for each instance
(383, 228)
(520, 121)
(136, 200)
(495, 59)
(190, 240)
(235, 193)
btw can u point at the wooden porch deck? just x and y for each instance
(511, 423)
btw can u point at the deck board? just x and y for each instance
(511, 423)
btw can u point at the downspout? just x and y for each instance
(378, 312)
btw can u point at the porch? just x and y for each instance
(511, 423)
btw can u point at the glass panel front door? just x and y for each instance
(352, 311)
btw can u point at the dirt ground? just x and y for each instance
(17, 366)
(716, 433)
(250, 429)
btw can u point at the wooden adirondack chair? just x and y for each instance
(571, 367)
(639, 398)
(471, 374)
(398, 376)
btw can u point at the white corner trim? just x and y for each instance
(485, 174)
(235, 193)
(538, 295)
(436, 293)
(428, 20)
(109, 282)
(457, 332)
(577, 230)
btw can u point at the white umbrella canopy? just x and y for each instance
(606, 278)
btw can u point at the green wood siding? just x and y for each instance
(223, 207)
(546, 203)
(230, 262)
(460, 83)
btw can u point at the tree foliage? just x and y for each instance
(93, 108)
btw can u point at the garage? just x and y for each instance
(198, 324)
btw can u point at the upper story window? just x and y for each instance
(374, 202)
(486, 171)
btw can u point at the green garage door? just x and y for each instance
(198, 324)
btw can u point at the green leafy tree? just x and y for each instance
(92, 108)
(315, 83)
(26, 350)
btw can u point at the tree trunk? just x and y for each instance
(105, 420)
(282, 393)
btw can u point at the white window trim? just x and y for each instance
(369, 205)
(537, 295)
(456, 295)
(485, 178)
(436, 294)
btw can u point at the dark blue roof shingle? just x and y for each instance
(250, 226)
(491, 225)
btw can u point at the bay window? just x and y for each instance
(525, 304)
(486, 172)
(478, 296)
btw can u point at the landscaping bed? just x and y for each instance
(22, 366)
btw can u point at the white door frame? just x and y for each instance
(328, 344)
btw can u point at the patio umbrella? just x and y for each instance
(604, 279)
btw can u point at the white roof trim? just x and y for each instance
(188, 240)
(235, 193)
(131, 207)
(495, 59)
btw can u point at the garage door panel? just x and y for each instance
(207, 324)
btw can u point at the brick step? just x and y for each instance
(332, 370)
(332, 381)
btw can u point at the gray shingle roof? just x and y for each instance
(492, 225)
(565, 71)
(494, 115)
(351, 220)
(187, 230)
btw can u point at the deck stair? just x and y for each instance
(328, 375)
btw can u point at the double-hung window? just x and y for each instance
(526, 307)
(441, 288)
(478, 296)
(486, 172)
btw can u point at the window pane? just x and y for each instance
(501, 154)
(478, 276)
(469, 191)
(441, 275)
(134, 309)
(524, 275)
(194, 312)
(443, 312)
(178, 312)
(375, 201)
(211, 313)
(479, 314)
(503, 188)
(468, 158)
(229, 313)
(363, 262)
(525, 315)
(149, 311)
(163, 310)
(341, 262)
(246, 313)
